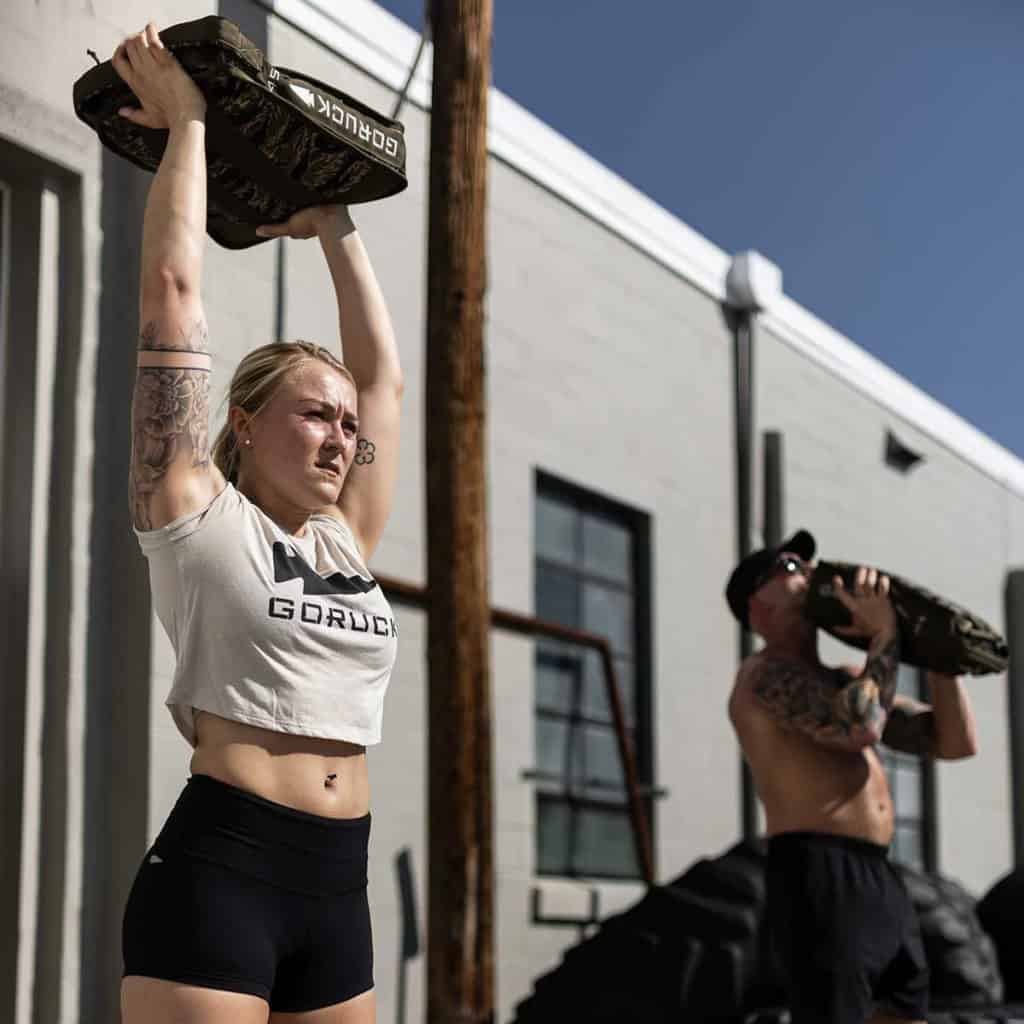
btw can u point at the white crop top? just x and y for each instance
(287, 633)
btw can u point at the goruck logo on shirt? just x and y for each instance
(289, 566)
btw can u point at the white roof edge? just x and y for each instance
(384, 46)
(802, 330)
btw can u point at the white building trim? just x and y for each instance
(802, 330)
(384, 47)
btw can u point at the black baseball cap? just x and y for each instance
(748, 574)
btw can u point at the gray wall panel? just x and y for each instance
(610, 372)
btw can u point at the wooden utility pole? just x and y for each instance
(460, 925)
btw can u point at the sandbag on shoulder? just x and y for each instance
(935, 633)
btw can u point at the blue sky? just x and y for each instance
(873, 150)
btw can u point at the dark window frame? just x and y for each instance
(639, 523)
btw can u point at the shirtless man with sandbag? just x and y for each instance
(841, 923)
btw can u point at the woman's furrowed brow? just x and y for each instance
(330, 407)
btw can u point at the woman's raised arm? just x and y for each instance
(171, 470)
(370, 352)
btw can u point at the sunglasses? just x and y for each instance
(787, 565)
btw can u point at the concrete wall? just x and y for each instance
(609, 365)
(592, 349)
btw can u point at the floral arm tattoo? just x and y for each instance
(829, 705)
(155, 337)
(170, 414)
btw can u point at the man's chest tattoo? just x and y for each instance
(808, 700)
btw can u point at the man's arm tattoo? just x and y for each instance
(814, 702)
(911, 728)
(883, 667)
(170, 416)
(868, 698)
(829, 705)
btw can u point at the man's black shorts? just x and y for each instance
(844, 930)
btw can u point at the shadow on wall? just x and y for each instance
(409, 939)
(118, 670)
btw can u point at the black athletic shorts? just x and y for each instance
(242, 894)
(844, 930)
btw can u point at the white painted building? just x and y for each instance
(612, 466)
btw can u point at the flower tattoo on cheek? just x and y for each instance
(364, 452)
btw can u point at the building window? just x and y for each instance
(591, 573)
(911, 780)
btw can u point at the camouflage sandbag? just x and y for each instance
(934, 633)
(277, 140)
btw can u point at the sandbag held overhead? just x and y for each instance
(278, 140)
